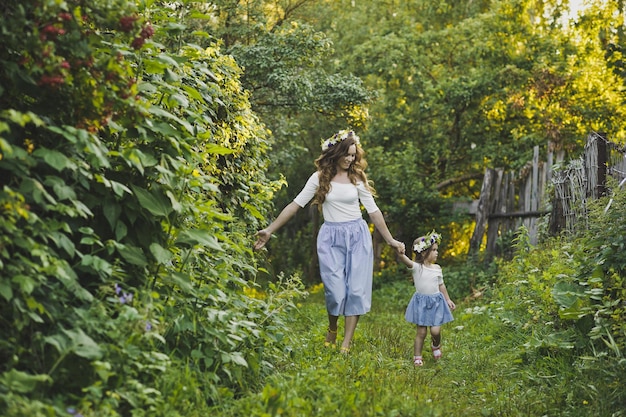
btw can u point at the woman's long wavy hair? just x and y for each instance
(326, 165)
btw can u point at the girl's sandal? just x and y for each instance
(344, 350)
(331, 337)
(436, 352)
(417, 361)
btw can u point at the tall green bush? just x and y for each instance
(568, 297)
(132, 179)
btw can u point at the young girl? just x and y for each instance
(430, 306)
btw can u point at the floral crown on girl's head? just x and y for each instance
(426, 242)
(339, 137)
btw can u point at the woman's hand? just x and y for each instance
(262, 238)
(264, 235)
(398, 246)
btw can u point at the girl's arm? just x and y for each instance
(405, 260)
(444, 291)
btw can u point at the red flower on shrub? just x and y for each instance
(138, 42)
(65, 16)
(51, 32)
(127, 23)
(51, 80)
(147, 31)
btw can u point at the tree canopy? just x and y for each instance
(455, 88)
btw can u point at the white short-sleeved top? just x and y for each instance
(426, 279)
(342, 201)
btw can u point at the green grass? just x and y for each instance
(485, 370)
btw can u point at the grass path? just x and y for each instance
(483, 371)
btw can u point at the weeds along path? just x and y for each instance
(482, 372)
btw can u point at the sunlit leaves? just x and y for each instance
(199, 237)
(154, 202)
(75, 341)
(23, 382)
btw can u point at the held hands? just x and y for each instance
(398, 246)
(262, 237)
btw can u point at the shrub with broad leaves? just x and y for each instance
(132, 179)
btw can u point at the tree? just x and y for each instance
(466, 86)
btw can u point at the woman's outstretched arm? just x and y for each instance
(264, 235)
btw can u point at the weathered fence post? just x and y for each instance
(602, 164)
(596, 157)
(482, 212)
(498, 206)
(534, 197)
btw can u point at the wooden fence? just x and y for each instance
(583, 179)
(509, 200)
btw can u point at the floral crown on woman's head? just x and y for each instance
(339, 137)
(426, 242)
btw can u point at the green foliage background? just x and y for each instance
(143, 143)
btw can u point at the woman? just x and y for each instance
(344, 242)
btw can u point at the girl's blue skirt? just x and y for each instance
(428, 310)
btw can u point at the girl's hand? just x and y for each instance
(398, 246)
(262, 237)
(451, 305)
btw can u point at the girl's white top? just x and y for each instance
(426, 279)
(342, 201)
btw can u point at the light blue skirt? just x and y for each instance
(428, 310)
(346, 262)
